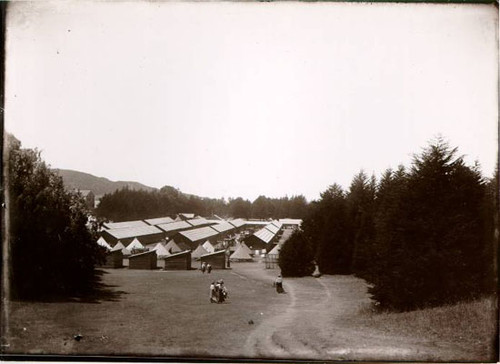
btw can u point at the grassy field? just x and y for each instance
(164, 313)
(160, 313)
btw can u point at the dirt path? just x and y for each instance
(321, 321)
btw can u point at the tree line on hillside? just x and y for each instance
(420, 236)
(52, 249)
(127, 204)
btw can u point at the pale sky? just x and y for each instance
(225, 99)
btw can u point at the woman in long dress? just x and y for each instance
(278, 283)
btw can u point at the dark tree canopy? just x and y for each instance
(422, 236)
(296, 256)
(52, 246)
(127, 204)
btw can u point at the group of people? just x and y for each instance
(218, 292)
(206, 267)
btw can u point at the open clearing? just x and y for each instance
(167, 313)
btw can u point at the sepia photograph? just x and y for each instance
(250, 181)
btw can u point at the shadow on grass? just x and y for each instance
(96, 292)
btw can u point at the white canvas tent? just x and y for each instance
(246, 248)
(160, 250)
(135, 244)
(240, 254)
(275, 250)
(198, 252)
(208, 247)
(120, 246)
(172, 247)
(104, 243)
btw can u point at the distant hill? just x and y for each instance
(98, 185)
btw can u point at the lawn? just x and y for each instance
(159, 313)
(168, 314)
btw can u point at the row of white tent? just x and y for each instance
(242, 251)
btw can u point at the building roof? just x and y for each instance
(134, 232)
(184, 252)
(276, 223)
(237, 222)
(219, 252)
(198, 222)
(159, 220)
(272, 228)
(214, 221)
(186, 215)
(124, 224)
(199, 234)
(174, 226)
(143, 253)
(256, 222)
(265, 235)
(223, 227)
(291, 221)
(199, 251)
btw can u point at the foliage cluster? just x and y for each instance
(296, 256)
(52, 243)
(127, 204)
(421, 236)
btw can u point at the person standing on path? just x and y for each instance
(278, 283)
(209, 268)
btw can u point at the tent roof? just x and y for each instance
(199, 251)
(119, 245)
(208, 247)
(104, 243)
(135, 244)
(241, 254)
(172, 247)
(275, 250)
(160, 250)
(245, 248)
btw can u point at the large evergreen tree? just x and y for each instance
(52, 246)
(296, 256)
(327, 227)
(433, 233)
(361, 205)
